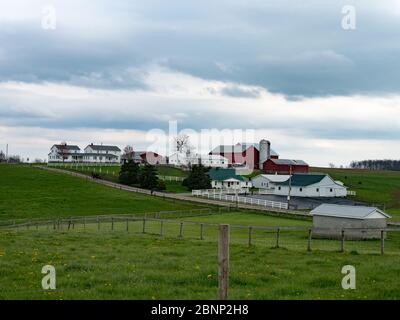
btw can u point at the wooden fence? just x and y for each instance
(245, 200)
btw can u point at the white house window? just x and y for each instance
(301, 189)
(331, 190)
(317, 189)
(279, 188)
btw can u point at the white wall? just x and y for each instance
(230, 184)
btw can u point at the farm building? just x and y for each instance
(64, 152)
(101, 154)
(227, 179)
(242, 154)
(268, 181)
(259, 156)
(143, 157)
(286, 166)
(92, 154)
(310, 185)
(358, 222)
(214, 161)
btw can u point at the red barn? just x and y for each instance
(242, 154)
(285, 166)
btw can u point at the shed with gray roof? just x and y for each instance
(357, 222)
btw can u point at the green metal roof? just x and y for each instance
(303, 179)
(218, 174)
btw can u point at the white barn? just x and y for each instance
(268, 181)
(357, 222)
(310, 185)
(213, 161)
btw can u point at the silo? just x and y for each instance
(265, 152)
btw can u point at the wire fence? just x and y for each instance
(179, 225)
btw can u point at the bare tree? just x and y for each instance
(2, 156)
(128, 152)
(332, 165)
(182, 144)
(63, 151)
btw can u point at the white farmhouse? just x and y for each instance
(64, 153)
(268, 181)
(101, 154)
(310, 185)
(227, 179)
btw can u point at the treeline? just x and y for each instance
(376, 164)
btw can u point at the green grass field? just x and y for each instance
(27, 192)
(111, 173)
(374, 187)
(116, 264)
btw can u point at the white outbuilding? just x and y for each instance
(268, 181)
(357, 222)
(310, 185)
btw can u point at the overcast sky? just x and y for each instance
(111, 71)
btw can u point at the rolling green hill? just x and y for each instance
(27, 192)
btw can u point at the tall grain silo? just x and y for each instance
(265, 152)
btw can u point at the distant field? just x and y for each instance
(374, 187)
(27, 192)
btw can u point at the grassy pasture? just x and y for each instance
(106, 264)
(374, 187)
(120, 265)
(27, 192)
(111, 173)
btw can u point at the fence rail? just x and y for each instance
(351, 193)
(234, 198)
(298, 237)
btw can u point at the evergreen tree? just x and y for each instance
(198, 178)
(129, 173)
(148, 177)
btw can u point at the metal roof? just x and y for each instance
(345, 211)
(303, 179)
(274, 177)
(68, 147)
(103, 148)
(290, 162)
(218, 174)
(239, 147)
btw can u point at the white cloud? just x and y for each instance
(318, 130)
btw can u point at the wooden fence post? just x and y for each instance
(342, 242)
(112, 223)
(161, 227)
(84, 223)
(127, 224)
(223, 261)
(309, 239)
(382, 242)
(278, 231)
(98, 223)
(144, 225)
(181, 230)
(202, 231)
(250, 231)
